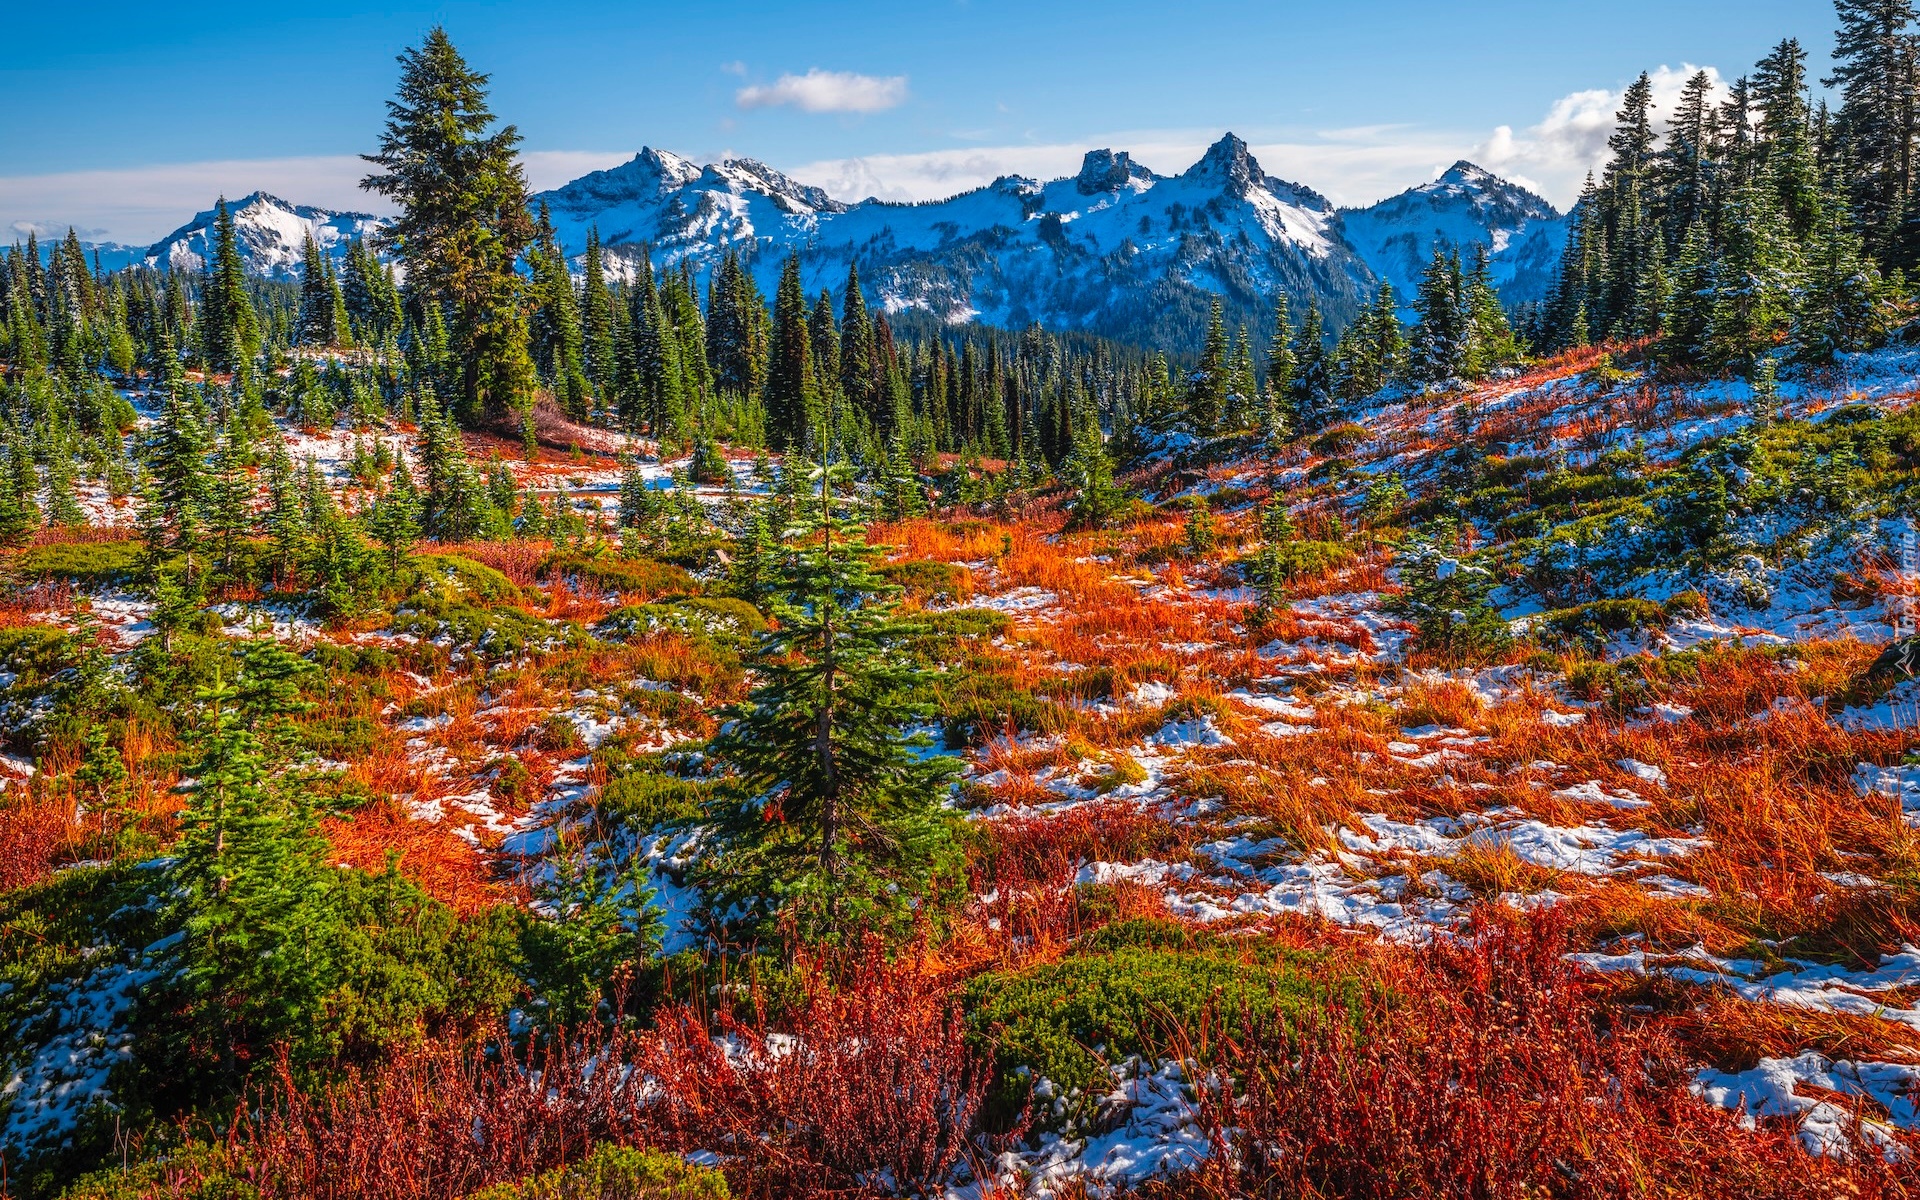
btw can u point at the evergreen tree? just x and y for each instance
(1447, 597)
(315, 324)
(1684, 170)
(1840, 308)
(859, 379)
(791, 389)
(63, 507)
(1877, 72)
(229, 494)
(229, 328)
(395, 518)
(19, 511)
(596, 925)
(1755, 278)
(560, 345)
(596, 316)
(1312, 374)
(1208, 391)
(463, 220)
(103, 772)
(1784, 136)
(181, 492)
(1281, 414)
(250, 869)
(757, 554)
(842, 829)
(1442, 343)
(1689, 319)
(285, 524)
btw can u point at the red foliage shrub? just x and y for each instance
(36, 835)
(874, 1089)
(865, 1084)
(430, 1124)
(1490, 1069)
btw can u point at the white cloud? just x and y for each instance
(140, 205)
(143, 204)
(1556, 154)
(827, 91)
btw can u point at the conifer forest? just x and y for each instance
(684, 687)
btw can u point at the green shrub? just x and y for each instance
(723, 618)
(1592, 626)
(976, 704)
(1305, 559)
(340, 738)
(35, 653)
(1128, 989)
(197, 1171)
(87, 564)
(929, 582)
(943, 636)
(1339, 440)
(644, 800)
(616, 1173)
(335, 659)
(494, 633)
(1686, 604)
(405, 963)
(633, 579)
(453, 576)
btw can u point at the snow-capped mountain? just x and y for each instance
(1115, 249)
(271, 233)
(1466, 206)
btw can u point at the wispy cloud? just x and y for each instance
(827, 92)
(1571, 140)
(140, 205)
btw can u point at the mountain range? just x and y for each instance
(272, 235)
(1115, 249)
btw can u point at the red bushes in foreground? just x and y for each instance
(876, 1088)
(866, 1085)
(1489, 1069)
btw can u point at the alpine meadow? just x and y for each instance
(680, 683)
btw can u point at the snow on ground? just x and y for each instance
(1153, 1135)
(66, 1078)
(1883, 1094)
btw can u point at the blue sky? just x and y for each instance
(124, 118)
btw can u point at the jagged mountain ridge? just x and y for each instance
(1467, 205)
(1115, 249)
(272, 234)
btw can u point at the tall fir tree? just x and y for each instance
(463, 220)
(229, 327)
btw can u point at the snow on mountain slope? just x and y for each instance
(1115, 249)
(271, 233)
(1465, 207)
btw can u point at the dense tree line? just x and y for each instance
(1759, 219)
